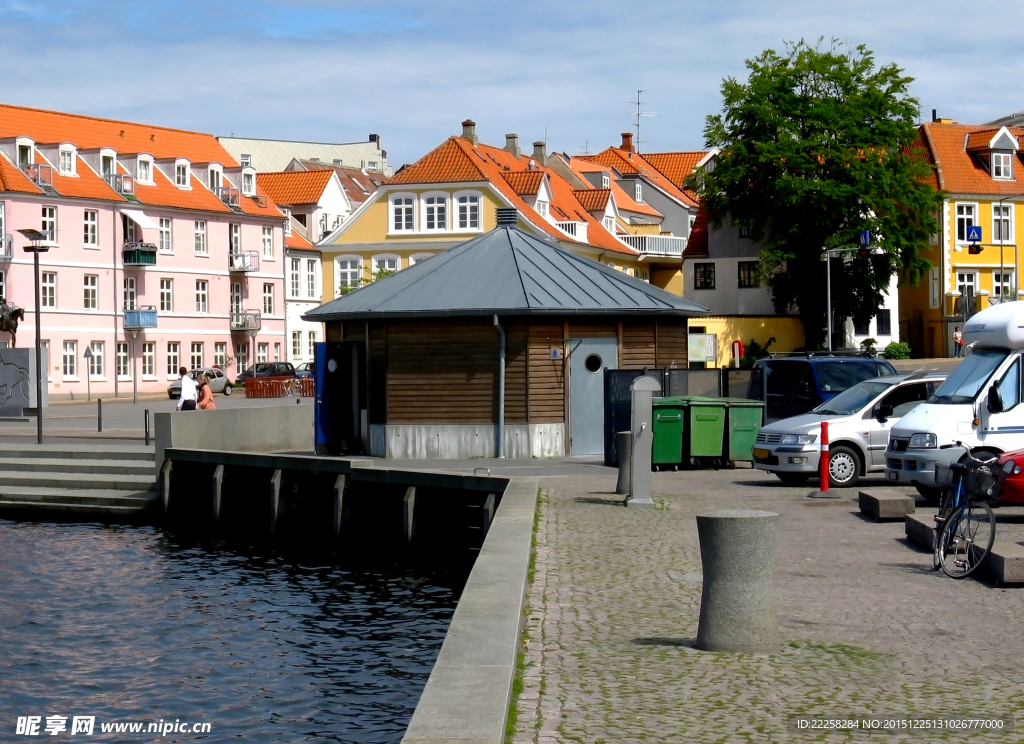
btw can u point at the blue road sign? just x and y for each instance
(974, 233)
(865, 237)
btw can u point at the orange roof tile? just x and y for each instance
(12, 179)
(593, 200)
(676, 166)
(959, 171)
(980, 140)
(524, 181)
(697, 245)
(297, 242)
(86, 184)
(631, 163)
(163, 193)
(359, 186)
(295, 187)
(448, 163)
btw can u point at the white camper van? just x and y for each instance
(979, 403)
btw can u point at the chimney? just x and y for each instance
(469, 132)
(538, 152)
(512, 144)
(627, 142)
(375, 139)
(935, 114)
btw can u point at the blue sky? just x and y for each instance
(412, 71)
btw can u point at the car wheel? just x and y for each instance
(932, 493)
(793, 479)
(843, 467)
(227, 389)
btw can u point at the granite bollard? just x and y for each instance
(624, 444)
(737, 605)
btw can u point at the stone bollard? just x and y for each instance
(737, 605)
(624, 444)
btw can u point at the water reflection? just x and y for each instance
(133, 624)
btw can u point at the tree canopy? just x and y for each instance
(815, 147)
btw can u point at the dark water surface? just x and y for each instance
(131, 624)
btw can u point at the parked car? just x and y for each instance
(219, 382)
(859, 421)
(269, 370)
(800, 384)
(305, 370)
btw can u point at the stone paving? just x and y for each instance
(868, 626)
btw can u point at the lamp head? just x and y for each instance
(40, 242)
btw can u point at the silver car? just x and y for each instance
(219, 382)
(859, 420)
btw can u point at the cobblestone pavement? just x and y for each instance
(868, 626)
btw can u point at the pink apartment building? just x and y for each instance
(161, 234)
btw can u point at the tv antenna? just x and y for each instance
(586, 148)
(639, 115)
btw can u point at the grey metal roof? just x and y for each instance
(505, 272)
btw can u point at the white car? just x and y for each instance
(859, 420)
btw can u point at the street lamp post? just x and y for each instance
(38, 243)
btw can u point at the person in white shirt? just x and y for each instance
(187, 401)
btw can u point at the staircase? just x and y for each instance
(88, 480)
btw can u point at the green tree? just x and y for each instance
(816, 146)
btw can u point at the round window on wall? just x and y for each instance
(593, 363)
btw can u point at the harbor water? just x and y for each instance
(264, 643)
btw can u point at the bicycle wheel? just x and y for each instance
(966, 539)
(945, 502)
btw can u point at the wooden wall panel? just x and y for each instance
(597, 329)
(638, 345)
(547, 379)
(377, 372)
(333, 331)
(672, 344)
(516, 374)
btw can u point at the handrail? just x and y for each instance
(247, 320)
(244, 261)
(663, 245)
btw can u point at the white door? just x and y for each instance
(589, 357)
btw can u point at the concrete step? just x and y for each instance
(79, 451)
(68, 497)
(116, 481)
(91, 511)
(69, 465)
(883, 504)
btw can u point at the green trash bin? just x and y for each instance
(669, 415)
(705, 431)
(743, 422)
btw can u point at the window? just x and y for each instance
(861, 326)
(965, 214)
(1002, 286)
(747, 274)
(121, 359)
(609, 224)
(166, 295)
(243, 358)
(606, 181)
(262, 352)
(165, 235)
(312, 344)
(3, 221)
(268, 242)
(542, 208)
(173, 358)
(96, 362)
(296, 265)
(24, 155)
(1009, 386)
(1001, 165)
(145, 171)
(220, 354)
(744, 232)
(49, 289)
(268, 299)
(234, 237)
(3, 284)
(70, 366)
(90, 291)
(384, 266)
(704, 276)
(277, 352)
(287, 220)
(349, 273)
(1002, 222)
(197, 355)
(236, 297)
(67, 162)
(883, 323)
(248, 184)
(638, 192)
(402, 208)
(246, 159)
(437, 212)
(202, 293)
(469, 212)
(181, 175)
(129, 293)
(311, 278)
(215, 180)
(201, 237)
(129, 229)
(149, 359)
(90, 224)
(296, 344)
(107, 166)
(49, 222)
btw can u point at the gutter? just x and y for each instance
(500, 435)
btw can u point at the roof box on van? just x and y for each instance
(1000, 325)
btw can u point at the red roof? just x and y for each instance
(963, 172)
(297, 242)
(677, 166)
(12, 179)
(295, 187)
(631, 163)
(448, 163)
(359, 185)
(524, 182)
(593, 200)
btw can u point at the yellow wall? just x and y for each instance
(788, 332)
(669, 278)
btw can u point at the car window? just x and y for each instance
(784, 378)
(262, 367)
(1009, 386)
(905, 397)
(969, 376)
(835, 377)
(854, 399)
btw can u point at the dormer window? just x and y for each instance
(287, 220)
(24, 156)
(609, 224)
(248, 184)
(216, 179)
(66, 162)
(638, 193)
(107, 166)
(1001, 165)
(144, 170)
(542, 208)
(246, 160)
(606, 181)
(182, 175)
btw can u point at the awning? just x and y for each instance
(140, 219)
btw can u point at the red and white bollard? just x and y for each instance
(823, 493)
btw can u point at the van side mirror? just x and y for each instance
(995, 400)
(884, 413)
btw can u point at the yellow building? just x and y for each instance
(980, 170)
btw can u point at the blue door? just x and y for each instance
(328, 373)
(589, 357)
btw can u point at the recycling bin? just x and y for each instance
(705, 430)
(668, 424)
(743, 422)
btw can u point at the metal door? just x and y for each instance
(587, 361)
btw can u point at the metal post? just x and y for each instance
(135, 371)
(147, 427)
(99, 414)
(828, 294)
(39, 357)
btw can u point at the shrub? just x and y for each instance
(868, 345)
(754, 351)
(897, 350)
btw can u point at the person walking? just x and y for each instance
(205, 394)
(187, 400)
(958, 342)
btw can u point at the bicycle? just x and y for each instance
(965, 525)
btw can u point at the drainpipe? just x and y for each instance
(113, 358)
(501, 391)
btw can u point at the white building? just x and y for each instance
(274, 155)
(303, 292)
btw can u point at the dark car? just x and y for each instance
(268, 370)
(797, 385)
(305, 370)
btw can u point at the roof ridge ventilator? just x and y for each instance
(507, 216)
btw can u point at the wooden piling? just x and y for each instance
(218, 480)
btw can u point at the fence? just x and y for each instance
(262, 388)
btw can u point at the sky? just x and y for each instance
(412, 71)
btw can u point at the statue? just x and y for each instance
(10, 314)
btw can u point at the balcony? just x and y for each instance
(6, 246)
(655, 245)
(229, 195)
(246, 321)
(134, 253)
(137, 318)
(260, 200)
(573, 229)
(244, 261)
(122, 183)
(40, 175)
